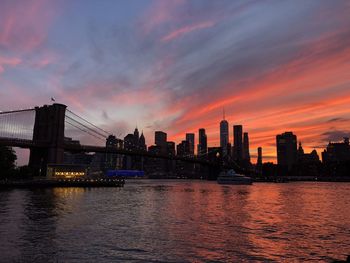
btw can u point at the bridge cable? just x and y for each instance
(107, 132)
(87, 127)
(94, 135)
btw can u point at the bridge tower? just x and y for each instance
(48, 136)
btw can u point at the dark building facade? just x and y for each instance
(112, 160)
(337, 152)
(183, 148)
(336, 159)
(224, 136)
(238, 142)
(246, 153)
(202, 143)
(286, 150)
(160, 139)
(191, 140)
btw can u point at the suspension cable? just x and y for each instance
(107, 132)
(94, 135)
(87, 127)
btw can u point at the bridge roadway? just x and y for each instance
(76, 148)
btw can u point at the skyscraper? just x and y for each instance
(160, 138)
(259, 160)
(136, 134)
(286, 149)
(237, 142)
(246, 153)
(224, 140)
(190, 139)
(183, 148)
(202, 143)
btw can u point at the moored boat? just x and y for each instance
(231, 177)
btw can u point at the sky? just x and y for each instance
(173, 65)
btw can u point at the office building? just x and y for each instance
(238, 142)
(224, 136)
(286, 150)
(202, 143)
(246, 153)
(190, 138)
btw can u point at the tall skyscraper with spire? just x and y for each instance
(224, 135)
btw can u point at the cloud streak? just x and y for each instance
(186, 30)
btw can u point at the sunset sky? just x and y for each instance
(173, 65)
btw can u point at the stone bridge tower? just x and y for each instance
(48, 137)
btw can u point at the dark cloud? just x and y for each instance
(337, 120)
(335, 135)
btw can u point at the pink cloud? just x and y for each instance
(8, 62)
(159, 13)
(185, 30)
(24, 25)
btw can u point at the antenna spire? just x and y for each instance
(223, 113)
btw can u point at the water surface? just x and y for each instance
(177, 221)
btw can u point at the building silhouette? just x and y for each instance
(336, 159)
(160, 139)
(171, 148)
(246, 153)
(183, 148)
(224, 136)
(238, 143)
(202, 143)
(337, 151)
(286, 151)
(113, 161)
(259, 159)
(259, 163)
(190, 137)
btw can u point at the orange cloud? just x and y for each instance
(301, 95)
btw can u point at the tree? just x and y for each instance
(7, 161)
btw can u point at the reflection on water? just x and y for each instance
(177, 221)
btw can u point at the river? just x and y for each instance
(177, 221)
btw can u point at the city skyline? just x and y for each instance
(174, 66)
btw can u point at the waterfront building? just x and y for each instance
(202, 143)
(238, 142)
(286, 150)
(308, 164)
(224, 136)
(191, 140)
(66, 171)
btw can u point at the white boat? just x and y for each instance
(231, 177)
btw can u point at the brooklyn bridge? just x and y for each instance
(43, 129)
